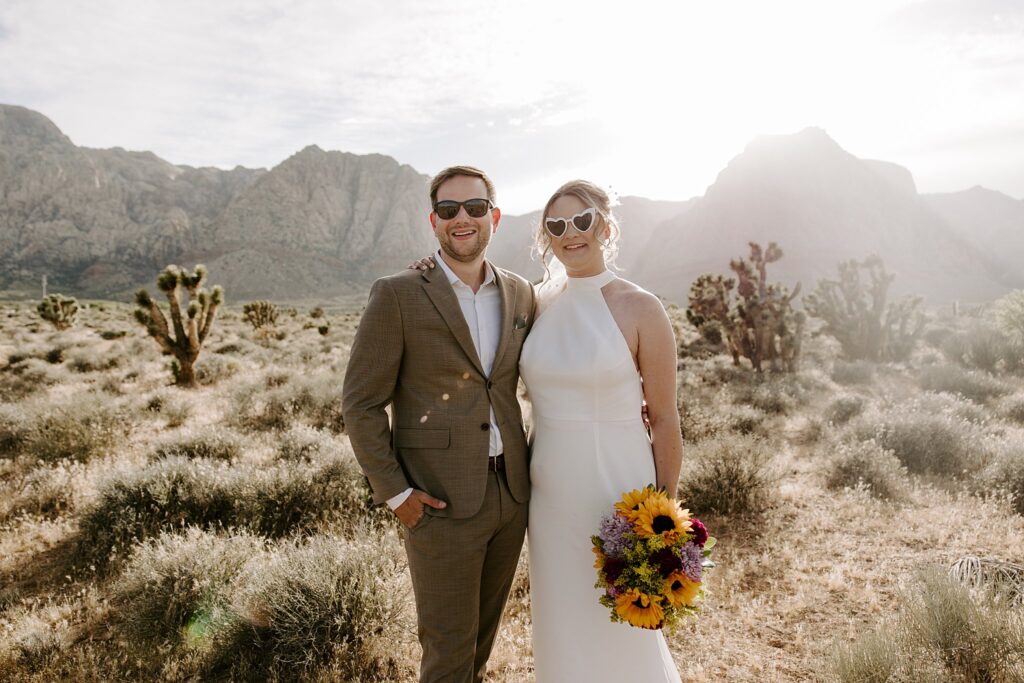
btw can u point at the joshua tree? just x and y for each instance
(186, 339)
(859, 316)
(759, 324)
(1009, 315)
(260, 314)
(61, 311)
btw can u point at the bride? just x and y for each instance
(600, 345)
(598, 348)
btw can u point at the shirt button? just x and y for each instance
(485, 426)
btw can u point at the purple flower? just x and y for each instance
(699, 531)
(692, 558)
(613, 568)
(613, 534)
(666, 561)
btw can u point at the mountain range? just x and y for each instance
(323, 223)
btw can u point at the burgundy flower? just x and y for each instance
(613, 568)
(699, 531)
(667, 561)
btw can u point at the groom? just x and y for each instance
(441, 347)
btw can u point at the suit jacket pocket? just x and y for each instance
(410, 437)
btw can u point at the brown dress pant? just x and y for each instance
(462, 571)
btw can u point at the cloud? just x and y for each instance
(655, 104)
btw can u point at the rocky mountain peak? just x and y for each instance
(22, 129)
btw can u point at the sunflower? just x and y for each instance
(680, 590)
(632, 500)
(661, 517)
(599, 562)
(639, 609)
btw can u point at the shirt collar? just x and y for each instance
(455, 280)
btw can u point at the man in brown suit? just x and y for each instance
(441, 347)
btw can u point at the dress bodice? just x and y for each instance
(576, 363)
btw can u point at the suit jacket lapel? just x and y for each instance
(508, 309)
(443, 297)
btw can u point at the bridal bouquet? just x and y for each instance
(650, 560)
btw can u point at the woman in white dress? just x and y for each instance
(599, 346)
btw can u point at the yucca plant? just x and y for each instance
(59, 310)
(260, 314)
(186, 338)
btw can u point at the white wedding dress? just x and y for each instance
(590, 446)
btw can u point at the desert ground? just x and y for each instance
(151, 532)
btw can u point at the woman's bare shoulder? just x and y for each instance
(633, 295)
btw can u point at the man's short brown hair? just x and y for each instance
(453, 171)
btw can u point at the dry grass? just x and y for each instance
(814, 560)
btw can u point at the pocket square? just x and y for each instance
(520, 322)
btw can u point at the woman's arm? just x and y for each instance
(656, 357)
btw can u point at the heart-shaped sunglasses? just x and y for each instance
(582, 221)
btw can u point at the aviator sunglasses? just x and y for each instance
(582, 221)
(448, 209)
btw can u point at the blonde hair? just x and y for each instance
(592, 196)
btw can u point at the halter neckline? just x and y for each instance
(592, 282)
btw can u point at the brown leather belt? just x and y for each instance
(497, 463)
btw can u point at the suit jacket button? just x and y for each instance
(485, 426)
(490, 384)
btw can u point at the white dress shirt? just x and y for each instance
(482, 311)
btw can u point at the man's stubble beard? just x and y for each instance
(483, 239)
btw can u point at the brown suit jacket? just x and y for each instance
(413, 351)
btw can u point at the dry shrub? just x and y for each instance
(729, 474)
(746, 419)
(307, 444)
(213, 442)
(867, 465)
(926, 442)
(174, 587)
(314, 400)
(976, 636)
(972, 384)
(168, 494)
(1005, 472)
(80, 428)
(853, 372)
(941, 632)
(873, 658)
(90, 360)
(843, 409)
(211, 369)
(328, 608)
(953, 404)
(1012, 408)
(272, 501)
(698, 420)
(46, 491)
(984, 348)
(27, 376)
(774, 398)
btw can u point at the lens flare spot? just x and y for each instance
(465, 375)
(444, 397)
(423, 419)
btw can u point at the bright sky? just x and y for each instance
(650, 98)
